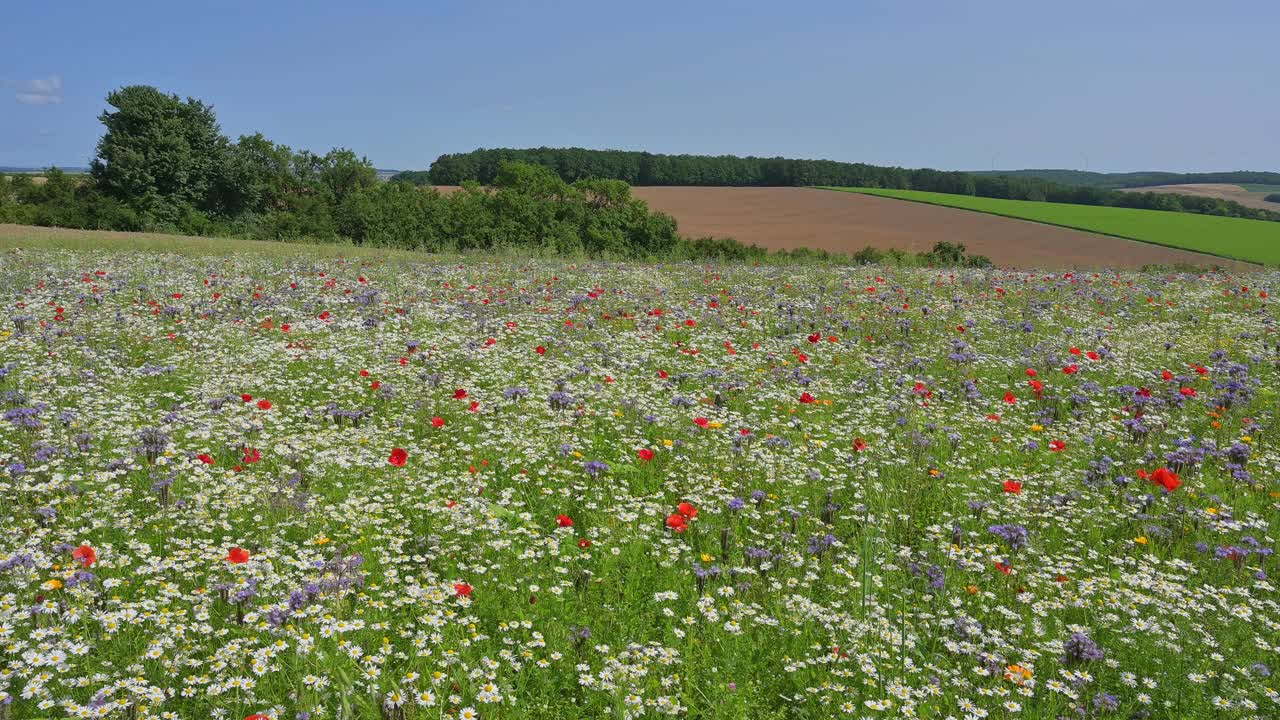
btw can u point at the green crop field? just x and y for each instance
(1236, 238)
(1258, 187)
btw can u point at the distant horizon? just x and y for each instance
(86, 168)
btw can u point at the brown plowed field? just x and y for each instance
(791, 217)
(1220, 191)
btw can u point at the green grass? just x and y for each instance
(32, 237)
(1249, 240)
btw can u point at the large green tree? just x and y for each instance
(256, 177)
(160, 154)
(342, 173)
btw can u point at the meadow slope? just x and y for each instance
(289, 484)
(1219, 191)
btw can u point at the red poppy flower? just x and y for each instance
(475, 405)
(1071, 369)
(437, 422)
(246, 397)
(205, 458)
(1057, 446)
(584, 543)
(1188, 392)
(1004, 568)
(398, 457)
(258, 716)
(251, 456)
(701, 422)
(237, 556)
(540, 350)
(1013, 486)
(1031, 372)
(459, 394)
(364, 373)
(1166, 478)
(676, 522)
(264, 404)
(645, 454)
(564, 521)
(1010, 398)
(85, 555)
(859, 444)
(462, 590)
(375, 384)
(806, 398)
(1074, 351)
(1166, 375)
(687, 510)
(690, 323)
(324, 315)
(815, 338)
(662, 374)
(1092, 355)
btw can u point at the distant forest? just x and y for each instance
(1112, 181)
(643, 168)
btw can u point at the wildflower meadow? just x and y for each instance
(304, 487)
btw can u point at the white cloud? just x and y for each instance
(41, 91)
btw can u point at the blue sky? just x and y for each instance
(1114, 86)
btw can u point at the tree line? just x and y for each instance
(643, 168)
(163, 164)
(1113, 181)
